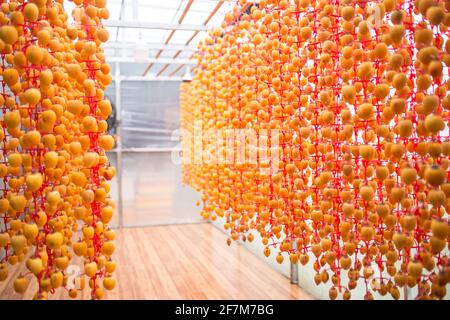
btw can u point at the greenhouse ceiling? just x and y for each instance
(156, 40)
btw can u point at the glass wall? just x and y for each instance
(151, 189)
(150, 113)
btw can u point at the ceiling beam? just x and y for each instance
(162, 70)
(151, 25)
(241, 12)
(186, 10)
(183, 15)
(216, 8)
(219, 4)
(180, 20)
(174, 72)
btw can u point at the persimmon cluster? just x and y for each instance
(357, 93)
(53, 138)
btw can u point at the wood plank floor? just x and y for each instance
(181, 262)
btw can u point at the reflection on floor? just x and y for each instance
(182, 262)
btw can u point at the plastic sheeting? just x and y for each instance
(150, 113)
(152, 192)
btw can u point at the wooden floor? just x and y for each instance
(182, 262)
